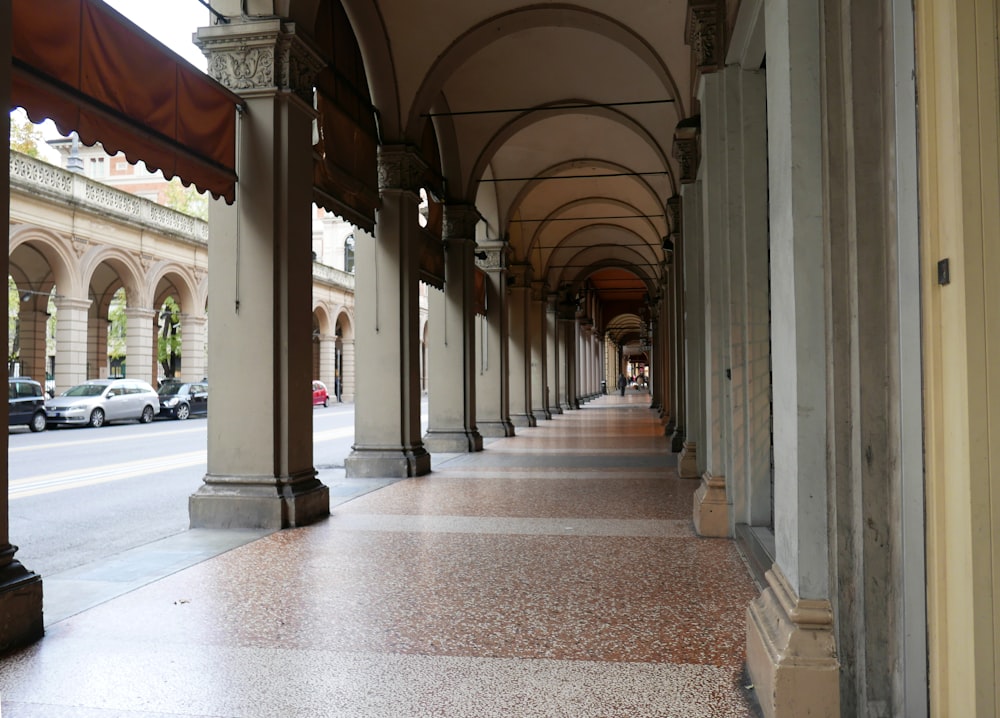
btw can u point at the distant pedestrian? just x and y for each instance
(622, 383)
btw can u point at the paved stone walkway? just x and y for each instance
(555, 573)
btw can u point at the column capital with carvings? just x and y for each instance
(703, 32)
(460, 221)
(496, 259)
(400, 167)
(519, 275)
(260, 58)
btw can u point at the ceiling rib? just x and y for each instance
(596, 175)
(545, 108)
(584, 219)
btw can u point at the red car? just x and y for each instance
(320, 394)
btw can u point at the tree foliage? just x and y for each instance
(168, 342)
(25, 137)
(186, 199)
(13, 309)
(117, 325)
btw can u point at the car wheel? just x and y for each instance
(38, 422)
(326, 401)
(183, 412)
(97, 418)
(147, 414)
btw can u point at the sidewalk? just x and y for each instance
(555, 573)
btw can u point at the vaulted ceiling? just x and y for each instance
(556, 120)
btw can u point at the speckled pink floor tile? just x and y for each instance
(521, 581)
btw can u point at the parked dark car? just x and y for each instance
(27, 403)
(181, 400)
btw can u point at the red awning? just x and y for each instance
(87, 68)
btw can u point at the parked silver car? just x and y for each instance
(99, 401)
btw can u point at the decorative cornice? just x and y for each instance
(460, 221)
(261, 56)
(400, 167)
(685, 151)
(496, 259)
(702, 33)
(674, 226)
(519, 276)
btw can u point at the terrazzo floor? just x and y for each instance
(556, 573)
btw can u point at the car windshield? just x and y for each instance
(170, 389)
(86, 390)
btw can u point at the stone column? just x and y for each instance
(328, 362)
(791, 648)
(97, 343)
(387, 430)
(492, 382)
(539, 351)
(347, 370)
(31, 338)
(678, 336)
(20, 589)
(552, 355)
(139, 342)
(193, 344)
(750, 336)
(260, 334)
(518, 303)
(568, 343)
(451, 425)
(71, 341)
(689, 463)
(712, 505)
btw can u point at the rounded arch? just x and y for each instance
(542, 114)
(372, 37)
(127, 271)
(344, 324)
(555, 15)
(569, 261)
(164, 276)
(557, 214)
(29, 246)
(322, 320)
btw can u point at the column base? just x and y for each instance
(555, 410)
(677, 440)
(495, 428)
(453, 442)
(258, 502)
(523, 420)
(687, 461)
(21, 619)
(541, 414)
(711, 512)
(387, 463)
(791, 652)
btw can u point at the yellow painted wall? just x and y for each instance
(958, 68)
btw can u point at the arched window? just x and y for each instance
(349, 254)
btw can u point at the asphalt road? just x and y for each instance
(78, 495)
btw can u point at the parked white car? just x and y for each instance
(98, 401)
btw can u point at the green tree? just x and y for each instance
(13, 310)
(117, 325)
(168, 343)
(25, 137)
(186, 199)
